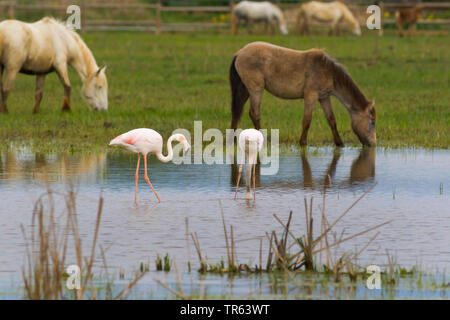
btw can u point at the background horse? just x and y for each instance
(330, 13)
(408, 16)
(43, 47)
(292, 74)
(250, 12)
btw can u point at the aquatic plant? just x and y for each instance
(44, 276)
(163, 263)
(282, 258)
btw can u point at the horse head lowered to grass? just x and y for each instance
(43, 47)
(291, 74)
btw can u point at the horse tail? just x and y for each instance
(239, 94)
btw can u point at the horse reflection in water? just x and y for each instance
(362, 170)
(26, 165)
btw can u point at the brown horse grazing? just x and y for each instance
(292, 74)
(408, 16)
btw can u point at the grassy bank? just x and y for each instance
(166, 82)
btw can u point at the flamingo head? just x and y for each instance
(115, 142)
(182, 139)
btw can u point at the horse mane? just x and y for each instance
(88, 57)
(348, 15)
(85, 51)
(278, 12)
(342, 80)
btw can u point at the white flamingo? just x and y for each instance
(250, 143)
(144, 141)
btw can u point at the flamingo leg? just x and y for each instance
(148, 180)
(248, 174)
(239, 179)
(254, 181)
(137, 178)
(239, 176)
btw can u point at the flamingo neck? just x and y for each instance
(169, 156)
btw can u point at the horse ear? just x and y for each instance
(100, 70)
(372, 112)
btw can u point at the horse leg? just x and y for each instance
(326, 106)
(333, 29)
(306, 26)
(330, 32)
(298, 26)
(310, 100)
(412, 29)
(40, 80)
(234, 25)
(270, 23)
(250, 27)
(255, 103)
(273, 27)
(239, 97)
(64, 78)
(1, 89)
(302, 23)
(400, 28)
(6, 87)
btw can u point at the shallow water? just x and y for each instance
(412, 189)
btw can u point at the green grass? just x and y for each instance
(166, 82)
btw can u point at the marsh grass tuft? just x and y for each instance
(163, 264)
(281, 255)
(47, 245)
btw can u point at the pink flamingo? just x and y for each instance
(144, 141)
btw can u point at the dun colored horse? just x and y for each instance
(408, 16)
(292, 74)
(331, 13)
(251, 12)
(43, 47)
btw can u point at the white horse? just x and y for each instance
(330, 13)
(250, 12)
(45, 46)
